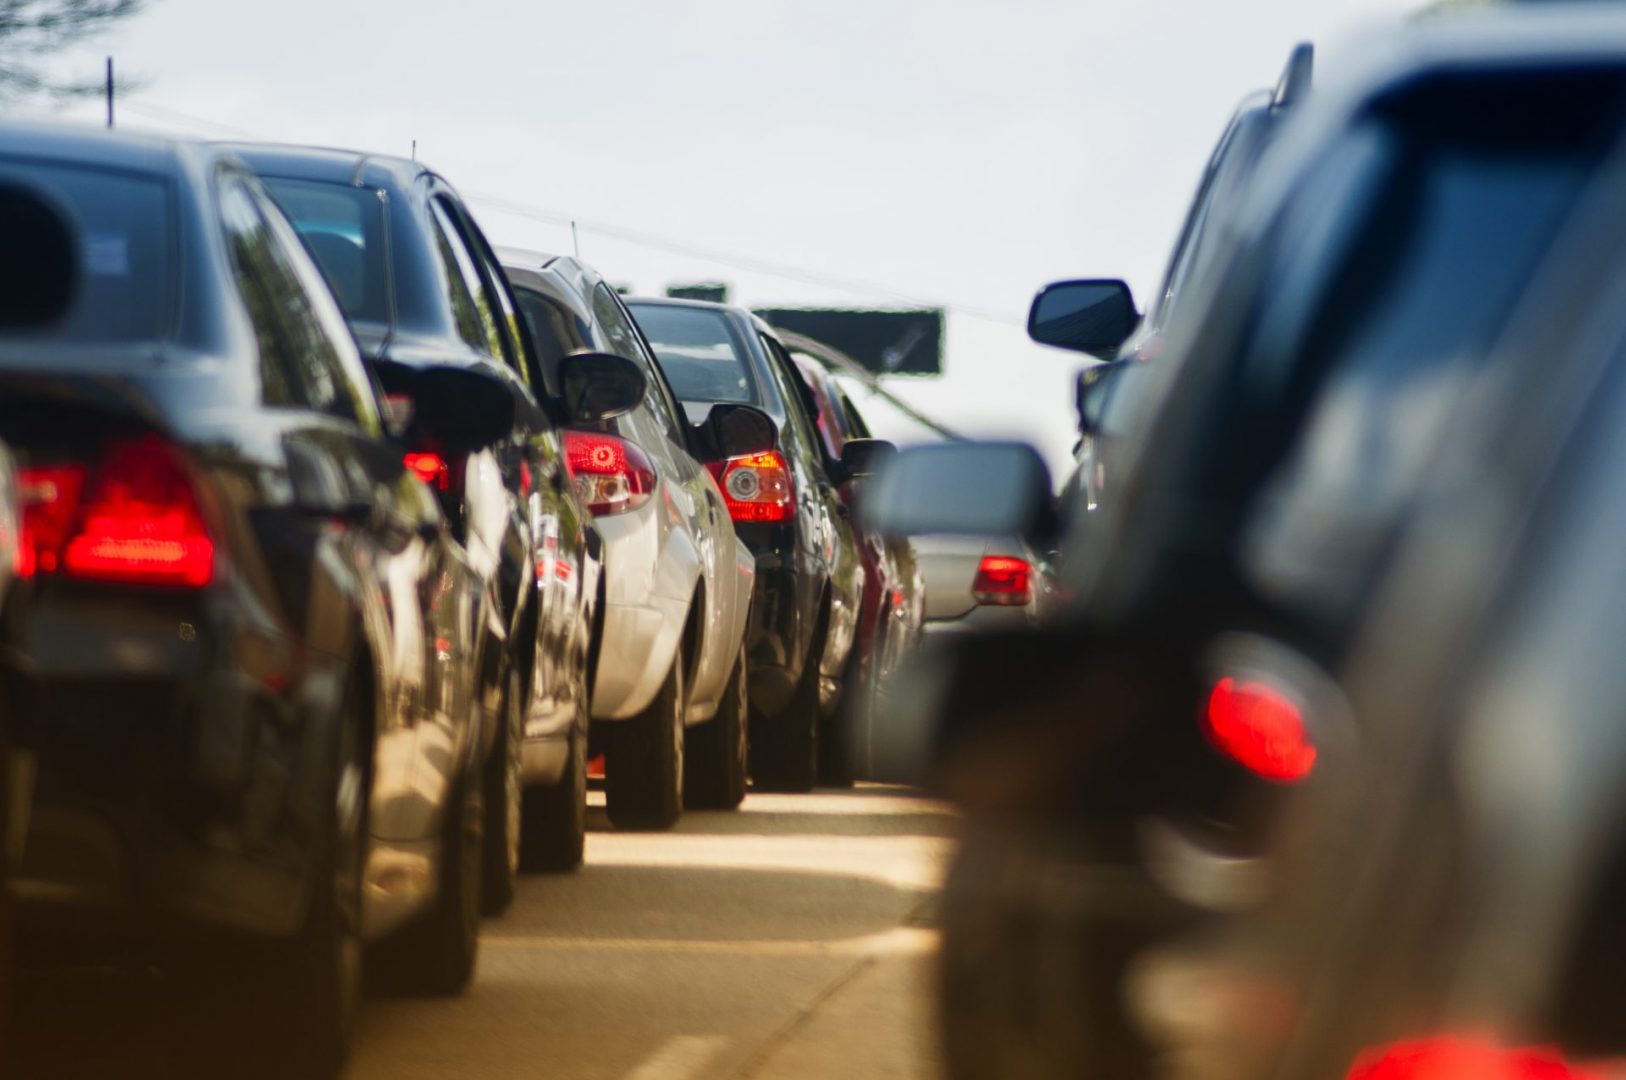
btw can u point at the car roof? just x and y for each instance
(99, 147)
(330, 165)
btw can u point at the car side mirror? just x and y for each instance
(1094, 316)
(864, 457)
(737, 430)
(39, 263)
(963, 489)
(461, 407)
(600, 386)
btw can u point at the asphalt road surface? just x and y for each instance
(791, 939)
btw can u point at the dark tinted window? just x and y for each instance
(473, 315)
(122, 224)
(300, 363)
(1393, 270)
(799, 428)
(556, 331)
(699, 352)
(624, 341)
(343, 227)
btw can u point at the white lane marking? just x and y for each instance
(680, 1058)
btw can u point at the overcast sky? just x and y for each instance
(954, 152)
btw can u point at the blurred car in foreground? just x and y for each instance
(891, 610)
(1296, 407)
(252, 635)
(786, 508)
(670, 691)
(420, 285)
(1452, 904)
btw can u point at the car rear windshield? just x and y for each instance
(343, 227)
(699, 352)
(121, 222)
(1395, 267)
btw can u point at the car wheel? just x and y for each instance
(554, 832)
(717, 756)
(437, 954)
(295, 1004)
(644, 771)
(785, 748)
(836, 726)
(504, 794)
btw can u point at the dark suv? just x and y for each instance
(786, 507)
(1283, 436)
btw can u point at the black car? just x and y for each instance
(252, 635)
(786, 507)
(420, 285)
(1298, 400)
(1257, 122)
(1451, 904)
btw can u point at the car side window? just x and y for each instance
(797, 422)
(475, 314)
(624, 339)
(518, 348)
(555, 330)
(301, 365)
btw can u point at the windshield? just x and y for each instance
(702, 357)
(122, 224)
(343, 227)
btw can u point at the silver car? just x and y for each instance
(978, 583)
(669, 703)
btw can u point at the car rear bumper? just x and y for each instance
(981, 618)
(177, 767)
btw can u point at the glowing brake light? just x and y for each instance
(140, 520)
(756, 487)
(1260, 728)
(612, 475)
(1003, 581)
(431, 468)
(1458, 1058)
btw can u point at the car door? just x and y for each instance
(533, 465)
(313, 386)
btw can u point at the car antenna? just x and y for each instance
(575, 240)
(414, 149)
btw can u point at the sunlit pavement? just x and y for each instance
(791, 939)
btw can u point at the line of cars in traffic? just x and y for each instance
(337, 543)
(1318, 772)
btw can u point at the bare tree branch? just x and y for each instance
(34, 31)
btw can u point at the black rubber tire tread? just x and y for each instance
(436, 956)
(717, 754)
(643, 782)
(553, 837)
(504, 797)
(785, 748)
(836, 728)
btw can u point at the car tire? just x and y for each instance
(717, 757)
(785, 748)
(292, 1007)
(837, 725)
(436, 956)
(554, 834)
(504, 798)
(643, 782)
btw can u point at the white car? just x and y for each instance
(669, 705)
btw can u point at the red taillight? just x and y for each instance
(612, 475)
(1459, 1058)
(1261, 728)
(756, 487)
(431, 468)
(139, 521)
(49, 495)
(1003, 580)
